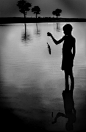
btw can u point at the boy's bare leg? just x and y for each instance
(72, 80)
(66, 81)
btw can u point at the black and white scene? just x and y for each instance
(43, 65)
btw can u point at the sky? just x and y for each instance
(77, 8)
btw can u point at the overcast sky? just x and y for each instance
(70, 8)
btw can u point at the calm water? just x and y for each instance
(32, 81)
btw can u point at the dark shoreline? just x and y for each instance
(8, 20)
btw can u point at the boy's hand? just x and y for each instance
(48, 34)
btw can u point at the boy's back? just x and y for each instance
(69, 42)
(67, 52)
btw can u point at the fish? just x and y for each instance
(49, 48)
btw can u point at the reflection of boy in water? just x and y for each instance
(70, 112)
(68, 52)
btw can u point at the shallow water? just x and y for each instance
(32, 82)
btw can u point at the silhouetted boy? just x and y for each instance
(68, 52)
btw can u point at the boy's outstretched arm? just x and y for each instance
(55, 41)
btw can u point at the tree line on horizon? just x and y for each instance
(25, 6)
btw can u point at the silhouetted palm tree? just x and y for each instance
(23, 8)
(57, 14)
(36, 10)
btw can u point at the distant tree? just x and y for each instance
(57, 14)
(23, 8)
(36, 10)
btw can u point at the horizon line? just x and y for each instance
(8, 20)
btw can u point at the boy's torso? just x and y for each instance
(68, 45)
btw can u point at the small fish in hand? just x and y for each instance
(49, 48)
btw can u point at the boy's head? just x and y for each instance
(67, 29)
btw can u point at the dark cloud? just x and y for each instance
(77, 7)
(9, 8)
